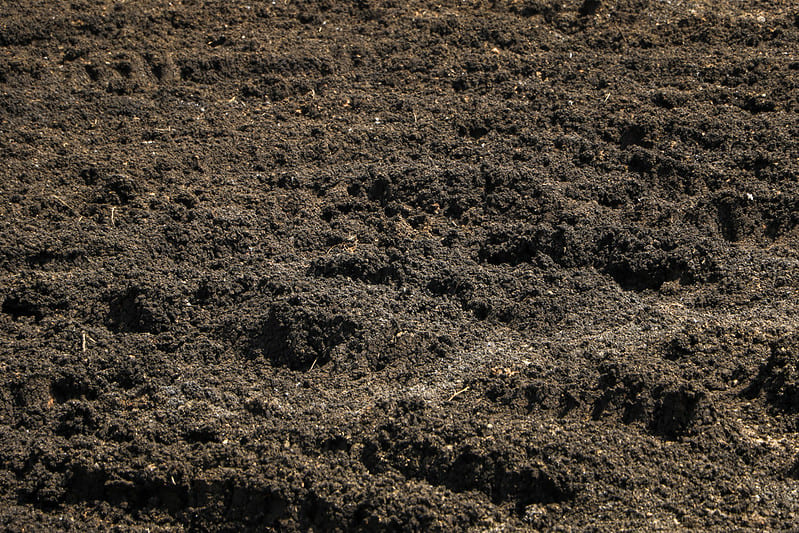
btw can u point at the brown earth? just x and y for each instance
(506, 265)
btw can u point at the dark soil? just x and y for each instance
(490, 265)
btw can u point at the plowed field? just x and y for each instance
(391, 266)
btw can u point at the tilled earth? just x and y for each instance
(490, 265)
